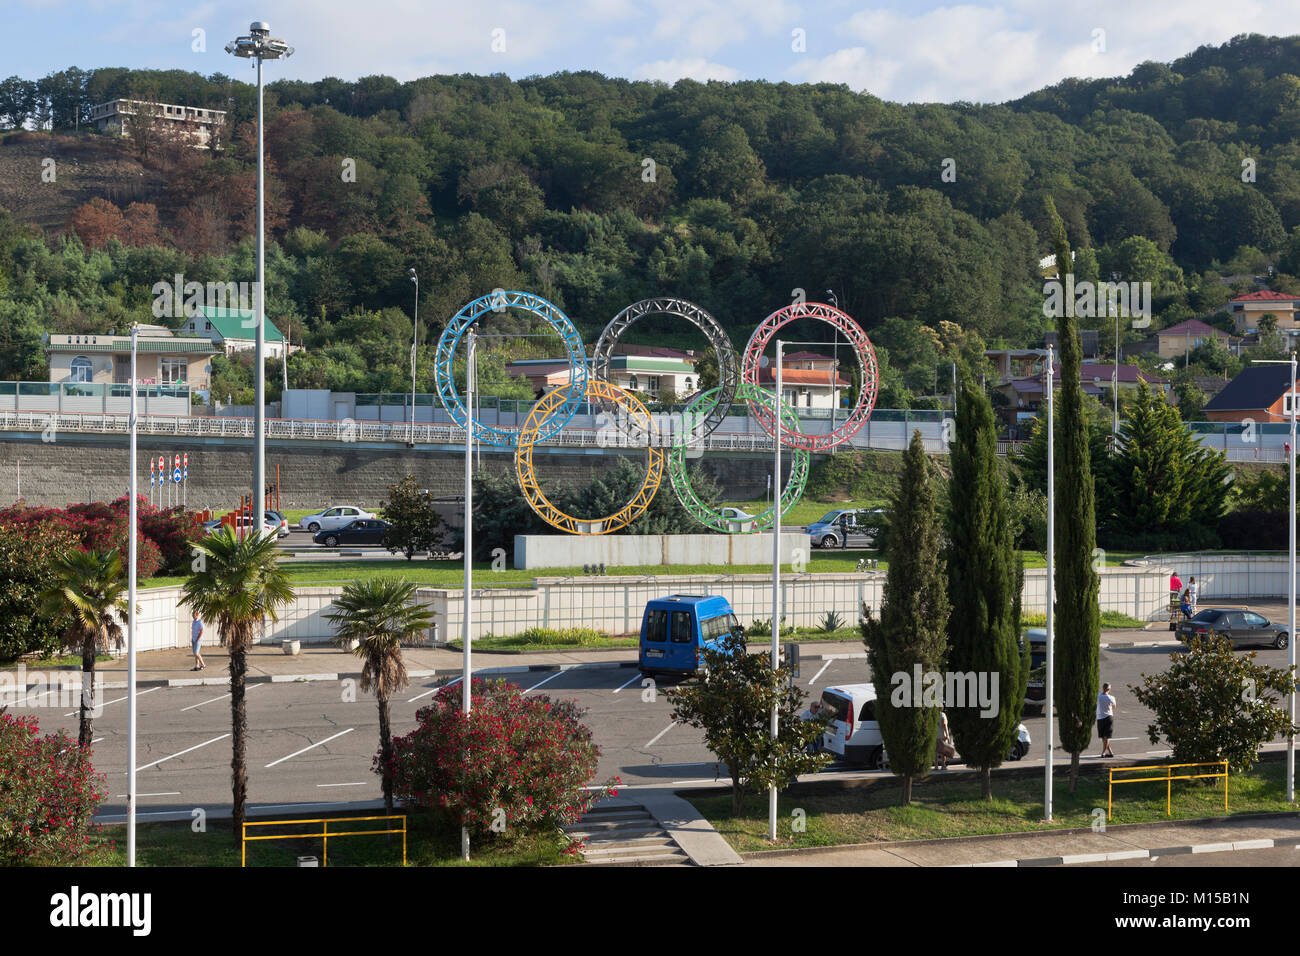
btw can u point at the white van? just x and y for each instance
(853, 732)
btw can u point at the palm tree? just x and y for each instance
(238, 583)
(380, 614)
(89, 588)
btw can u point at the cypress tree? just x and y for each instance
(1078, 617)
(983, 643)
(913, 622)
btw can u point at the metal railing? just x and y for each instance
(324, 833)
(1169, 777)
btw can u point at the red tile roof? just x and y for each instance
(802, 376)
(1191, 326)
(1263, 295)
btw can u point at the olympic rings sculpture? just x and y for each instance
(703, 414)
(862, 350)
(728, 363)
(546, 405)
(713, 519)
(499, 301)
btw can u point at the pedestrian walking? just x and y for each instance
(1105, 719)
(943, 748)
(1191, 593)
(196, 641)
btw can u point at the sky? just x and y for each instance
(904, 52)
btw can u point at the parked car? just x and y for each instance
(675, 628)
(269, 527)
(278, 517)
(846, 526)
(1036, 689)
(360, 531)
(853, 733)
(331, 519)
(1241, 627)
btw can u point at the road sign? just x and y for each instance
(176, 475)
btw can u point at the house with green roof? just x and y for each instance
(233, 330)
(161, 358)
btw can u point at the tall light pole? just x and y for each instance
(134, 521)
(415, 335)
(466, 685)
(259, 46)
(1051, 586)
(776, 578)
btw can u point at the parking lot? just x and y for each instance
(309, 743)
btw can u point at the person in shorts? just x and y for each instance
(196, 641)
(1105, 719)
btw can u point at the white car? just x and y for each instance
(331, 519)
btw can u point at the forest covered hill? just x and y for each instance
(926, 221)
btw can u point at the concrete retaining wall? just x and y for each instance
(79, 468)
(1223, 576)
(534, 551)
(614, 604)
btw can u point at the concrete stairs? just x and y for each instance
(621, 832)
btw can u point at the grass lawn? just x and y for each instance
(432, 840)
(451, 573)
(67, 660)
(950, 806)
(1113, 620)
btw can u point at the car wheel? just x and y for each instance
(1281, 641)
(331, 542)
(828, 541)
(314, 527)
(877, 759)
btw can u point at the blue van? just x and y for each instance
(674, 628)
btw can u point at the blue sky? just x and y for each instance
(907, 52)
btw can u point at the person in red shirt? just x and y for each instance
(1175, 584)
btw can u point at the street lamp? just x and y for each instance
(259, 46)
(415, 334)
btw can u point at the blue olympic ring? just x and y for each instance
(498, 301)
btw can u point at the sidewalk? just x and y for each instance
(1137, 841)
(268, 663)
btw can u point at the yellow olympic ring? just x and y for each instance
(600, 391)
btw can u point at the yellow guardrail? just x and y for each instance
(1169, 777)
(324, 833)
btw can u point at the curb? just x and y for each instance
(1144, 644)
(437, 672)
(1152, 854)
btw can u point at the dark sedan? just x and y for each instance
(1241, 627)
(361, 531)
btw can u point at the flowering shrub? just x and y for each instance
(48, 794)
(27, 556)
(514, 764)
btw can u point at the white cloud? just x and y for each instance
(698, 68)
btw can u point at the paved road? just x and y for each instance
(314, 741)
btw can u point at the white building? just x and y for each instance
(196, 124)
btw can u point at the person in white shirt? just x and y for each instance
(1191, 593)
(1105, 719)
(196, 641)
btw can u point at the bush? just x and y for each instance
(1215, 704)
(514, 765)
(27, 555)
(413, 520)
(1253, 530)
(48, 794)
(577, 636)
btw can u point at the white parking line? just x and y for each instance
(362, 784)
(215, 699)
(170, 793)
(165, 759)
(539, 683)
(433, 691)
(305, 749)
(660, 734)
(820, 673)
(118, 700)
(635, 677)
